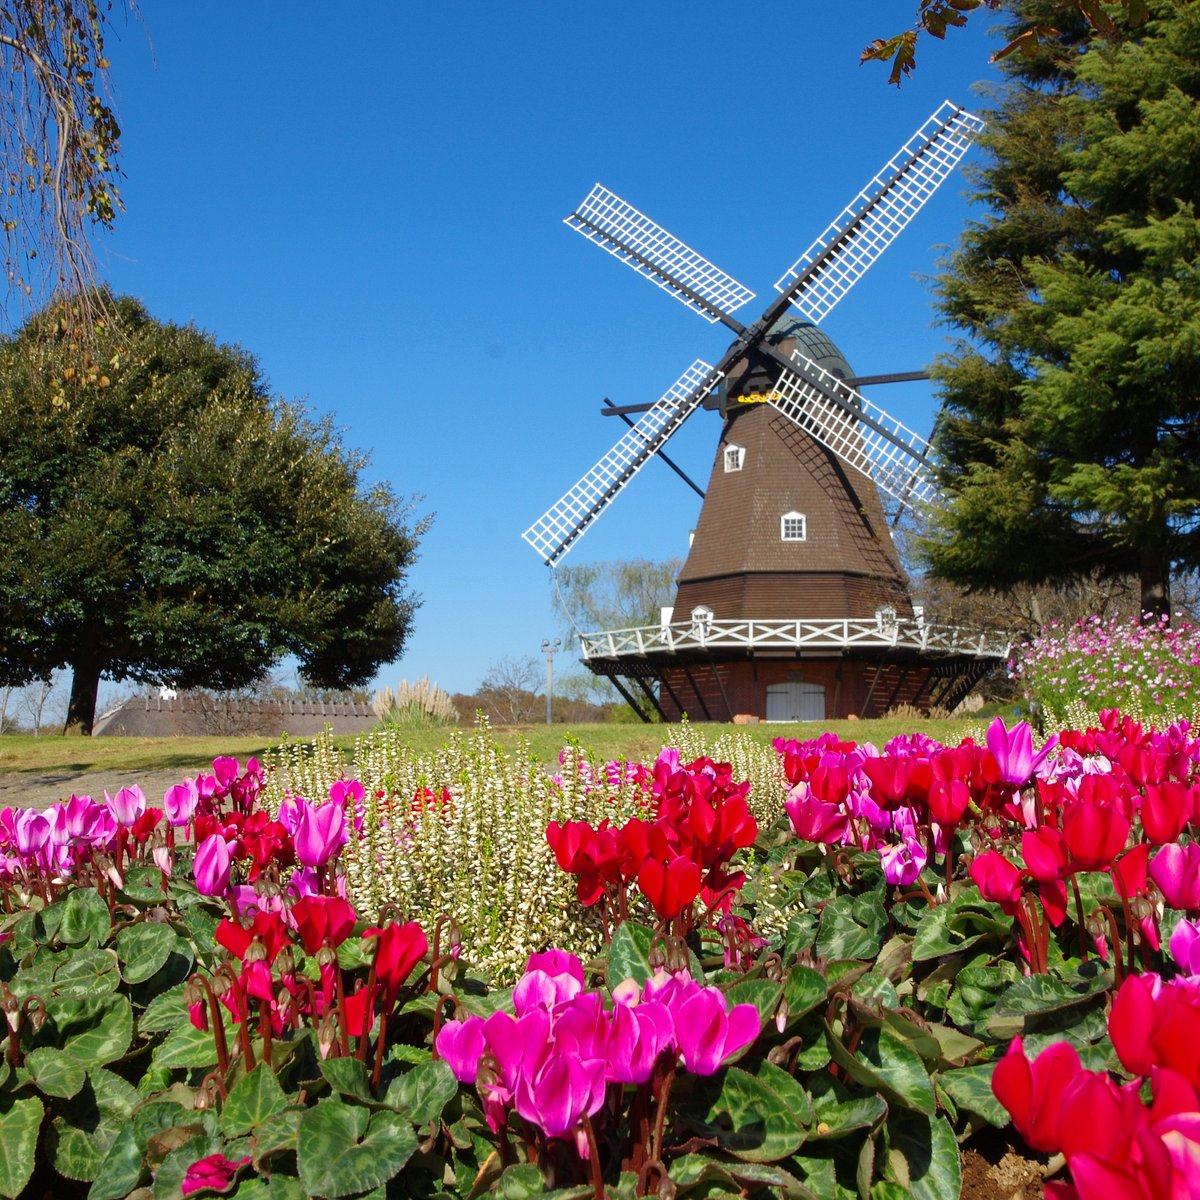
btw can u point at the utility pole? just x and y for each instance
(549, 649)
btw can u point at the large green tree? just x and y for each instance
(163, 519)
(1070, 428)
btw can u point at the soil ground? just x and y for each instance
(994, 1169)
(37, 789)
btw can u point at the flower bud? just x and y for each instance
(327, 957)
(781, 1015)
(327, 1034)
(285, 961)
(35, 1010)
(677, 957)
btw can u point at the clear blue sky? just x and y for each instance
(369, 199)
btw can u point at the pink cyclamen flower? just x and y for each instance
(639, 1033)
(127, 805)
(461, 1045)
(1013, 751)
(212, 866)
(560, 1090)
(225, 770)
(32, 832)
(997, 879)
(707, 1035)
(216, 1172)
(1185, 946)
(320, 833)
(1176, 871)
(179, 802)
(813, 819)
(550, 979)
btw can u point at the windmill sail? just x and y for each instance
(649, 249)
(553, 534)
(861, 232)
(860, 433)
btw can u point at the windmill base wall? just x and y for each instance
(731, 691)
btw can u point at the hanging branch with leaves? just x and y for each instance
(935, 17)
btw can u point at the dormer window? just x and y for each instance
(793, 527)
(735, 457)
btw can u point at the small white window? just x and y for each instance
(735, 456)
(793, 527)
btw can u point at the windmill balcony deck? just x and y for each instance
(828, 637)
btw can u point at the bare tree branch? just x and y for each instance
(59, 140)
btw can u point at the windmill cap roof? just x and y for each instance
(811, 342)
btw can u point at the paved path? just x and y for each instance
(34, 789)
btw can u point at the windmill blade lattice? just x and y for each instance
(553, 534)
(895, 460)
(835, 262)
(649, 249)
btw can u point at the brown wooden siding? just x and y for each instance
(792, 597)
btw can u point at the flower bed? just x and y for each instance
(813, 972)
(1150, 668)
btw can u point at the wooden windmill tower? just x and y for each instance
(792, 603)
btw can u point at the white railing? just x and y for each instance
(866, 634)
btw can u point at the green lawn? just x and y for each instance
(35, 755)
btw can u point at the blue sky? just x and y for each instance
(372, 205)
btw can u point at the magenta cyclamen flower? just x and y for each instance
(32, 833)
(320, 832)
(226, 771)
(551, 978)
(561, 1090)
(216, 1172)
(1185, 946)
(1176, 871)
(461, 1044)
(639, 1034)
(83, 820)
(707, 1035)
(127, 805)
(813, 819)
(1013, 751)
(179, 802)
(212, 866)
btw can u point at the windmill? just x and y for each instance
(793, 602)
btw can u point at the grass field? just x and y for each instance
(24, 753)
